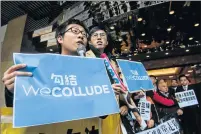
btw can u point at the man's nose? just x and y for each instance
(81, 36)
(98, 36)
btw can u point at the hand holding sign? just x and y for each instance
(150, 123)
(179, 112)
(135, 76)
(139, 95)
(9, 76)
(124, 110)
(117, 88)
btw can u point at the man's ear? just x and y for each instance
(106, 43)
(89, 42)
(60, 39)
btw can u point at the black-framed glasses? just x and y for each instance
(76, 31)
(95, 35)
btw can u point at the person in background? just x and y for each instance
(158, 98)
(191, 117)
(154, 119)
(165, 110)
(173, 87)
(98, 41)
(174, 84)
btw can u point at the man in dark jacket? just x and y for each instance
(173, 87)
(190, 119)
(166, 110)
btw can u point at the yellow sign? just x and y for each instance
(86, 126)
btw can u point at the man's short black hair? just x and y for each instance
(96, 28)
(62, 28)
(173, 79)
(153, 76)
(182, 76)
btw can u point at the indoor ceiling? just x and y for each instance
(162, 31)
(159, 28)
(40, 13)
(173, 73)
(165, 71)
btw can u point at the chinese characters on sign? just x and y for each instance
(186, 98)
(144, 108)
(64, 80)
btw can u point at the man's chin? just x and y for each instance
(100, 47)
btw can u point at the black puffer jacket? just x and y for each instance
(166, 110)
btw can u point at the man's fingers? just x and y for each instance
(118, 87)
(123, 111)
(16, 73)
(14, 68)
(10, 81)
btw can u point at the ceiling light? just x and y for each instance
(165, 72)
(194, 66)
(190, 71)
(171, 76)
(187, 74)
(196, 24)
(166, 53)
(139, 19)
(125, 49)
(147, 56)
(197, 41)
(182, 46)
(190, 38)
(120, 39)
(169, 29)
(112, 27)
(143, 34)
(51, 50)
(187, 50)
(171, 12)
(145, 46)
(167, 42)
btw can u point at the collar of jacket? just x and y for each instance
(90, 53)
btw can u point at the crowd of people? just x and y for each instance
(164, 104)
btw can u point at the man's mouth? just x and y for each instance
(80, 42)
(99, 42)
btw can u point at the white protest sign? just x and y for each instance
(144, 108)
(186, 98)
(168, 127)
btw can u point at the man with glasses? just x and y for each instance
(69, 35)
(98, 41)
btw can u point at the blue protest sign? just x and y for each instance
(135, 75)
(62, 88)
